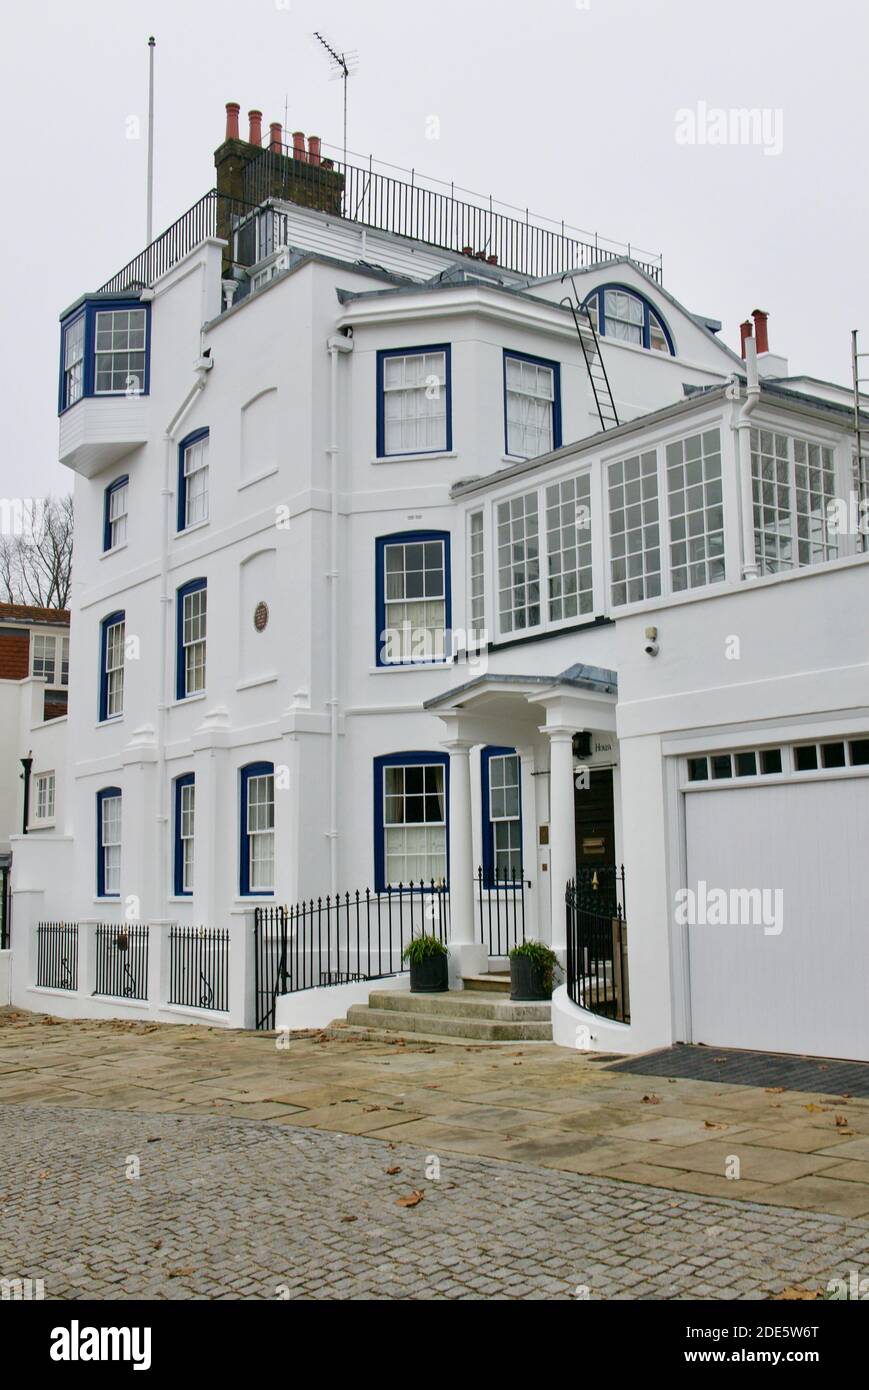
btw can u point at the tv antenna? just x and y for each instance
(345, 65)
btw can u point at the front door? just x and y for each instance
(595, 822)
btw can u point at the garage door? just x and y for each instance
(805, 989)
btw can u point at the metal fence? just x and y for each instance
(597, 950)
(341, 940)
(5, 907)
(57, 955)
(122, 961)
(501, 911)
(214, 215)
(199, 968)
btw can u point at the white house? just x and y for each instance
(414, 543)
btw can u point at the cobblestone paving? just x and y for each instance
(243, 1209)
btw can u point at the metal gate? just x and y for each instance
(270, 963)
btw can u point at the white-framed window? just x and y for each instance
(116, 515)
(414, 824)
(532, 406)
(695, 504)
(619, 313)
(195, 482)
(518, 527)
(114, 669)
(110, 846)
(44, 661)
(634, 529)
(505, 817)
(414, 406)
(194, 615)
(260, 830)
(73, 361)
(186, 833)
(793, 484)
(477, 572)
(569, 548)
(414, 617)
(44, 798)
(119, 351)
(624, 316)
(64, 661)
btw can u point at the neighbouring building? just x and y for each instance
(419, 544)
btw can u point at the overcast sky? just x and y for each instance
(568, 107)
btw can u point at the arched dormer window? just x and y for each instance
(621, 313)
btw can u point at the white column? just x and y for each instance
(562, 828)
(467, 957)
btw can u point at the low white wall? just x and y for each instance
(317, 1008)
(584, 1032)
(5, 978)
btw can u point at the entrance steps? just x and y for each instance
(469, 1015)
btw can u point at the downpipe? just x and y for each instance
(743, 443)
(337, 345)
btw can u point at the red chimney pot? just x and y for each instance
(256, 127)
(299, 146)
(276, 141)
(761, 331)
(313, 149)
(232, 110)
(746, 331)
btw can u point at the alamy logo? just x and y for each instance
(22, 516)
(77, 1343)
(715, 125)
(731, 907)
(22, 1290)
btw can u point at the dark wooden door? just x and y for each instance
(595, 822)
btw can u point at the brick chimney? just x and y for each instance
(769, 364)
(746, 331)
(761, 331)
(247, 174)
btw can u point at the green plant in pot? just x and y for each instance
(429, 965)
(533, 969)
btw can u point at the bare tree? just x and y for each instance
(36, 552)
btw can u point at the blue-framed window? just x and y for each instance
(413, 598)
(115, 509)
(501, 786)
(105, 350)
(411, 820)
(257, 821)
(193, 479)
(618, 311)
(191, 632)
(532, 405)
(414, 401)
(112, 639)
(185, 828)
(109, 842)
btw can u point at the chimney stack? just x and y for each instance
(314, 149)
(276, 137)
(232, 110)
(746, 331)
(761, 331)
(299, 146)
(256, 127)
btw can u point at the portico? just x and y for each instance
(540, 718)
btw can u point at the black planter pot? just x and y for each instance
(527, 980)
(430, 976)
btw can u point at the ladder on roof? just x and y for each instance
(597, 373)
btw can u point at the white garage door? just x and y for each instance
(805, 990)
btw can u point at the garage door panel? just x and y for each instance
(806, 989)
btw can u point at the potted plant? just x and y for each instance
(533, 968)
(429, 972)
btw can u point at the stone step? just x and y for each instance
(497, 983)
(480, 1029)
(459, 1004)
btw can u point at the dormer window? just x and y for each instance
(105, 350)
(620, 313)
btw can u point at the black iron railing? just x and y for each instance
(122, 961)
(501, 911)
(57, 955)
(5, 907)
(341, 939)
(215, 215)
(597, 951)
(199, 968)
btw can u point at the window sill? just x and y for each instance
(36, 825)
(258, 478)
(196, 526)
(256, 681)
(106, 902)
(189, 699)
(393, 668)
(174, 898)
(115, 550)
(107, 723)
(416, 458)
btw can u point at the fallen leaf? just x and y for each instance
(799, 1295)
(841, 1121)
(392, 1171)
(181, 1272)
(412, 1201)
(371, 1109)
(775, 1090)
(349, 1218)
(651, 1100)
(157, 1244)
(816, 1109)
(710, 1124)
(719, 1059)
(156, 1140)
